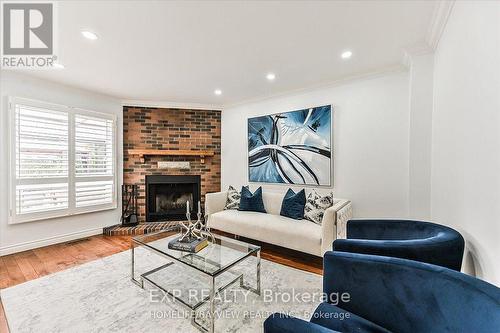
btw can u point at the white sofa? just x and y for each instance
(271, 227)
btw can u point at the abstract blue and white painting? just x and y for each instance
(292, 147)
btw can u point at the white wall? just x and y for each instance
(18, 237)
(421, 81)
(466, 133)
(370, 140)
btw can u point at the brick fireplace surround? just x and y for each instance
(171, 129)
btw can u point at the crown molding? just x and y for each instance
(417, 49)
(195, 106)
(171, 105)
(434, 32)
(398, 68)
(440, 17)
(26, 74)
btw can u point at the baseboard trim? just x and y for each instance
(48, 241)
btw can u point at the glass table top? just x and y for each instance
(213, 259)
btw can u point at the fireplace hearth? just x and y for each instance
(167, 196)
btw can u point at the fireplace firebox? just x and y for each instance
(167, 196)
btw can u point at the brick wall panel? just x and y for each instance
(175, 129)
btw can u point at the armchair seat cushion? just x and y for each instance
(281, 323)
(337, 319)
(327, 318)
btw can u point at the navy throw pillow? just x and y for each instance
(251, 202)
(293, 204)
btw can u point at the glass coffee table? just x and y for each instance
(195, 279)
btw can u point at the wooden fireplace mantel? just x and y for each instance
(142, 153)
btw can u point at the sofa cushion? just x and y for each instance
(316, 205)
(293, 204)
(251, 201)
(272, 201)
(337, 319)
(233, 198)
(300, 235)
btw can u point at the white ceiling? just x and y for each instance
(181, 51)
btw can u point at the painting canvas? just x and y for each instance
(292, 147)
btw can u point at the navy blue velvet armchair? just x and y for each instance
(396, 295)
(416, 240)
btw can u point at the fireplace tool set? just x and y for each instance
(129, 205)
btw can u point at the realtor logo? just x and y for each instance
(28, 35)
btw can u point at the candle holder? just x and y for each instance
(194, 231)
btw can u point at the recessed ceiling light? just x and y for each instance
(218, 92)
(346, 54)
(270, 76)
(89, 34)
(58, 65)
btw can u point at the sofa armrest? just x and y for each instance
(215, 202)
(281, 323)
(334, 223)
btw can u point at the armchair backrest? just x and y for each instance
(389, 229)
(415, 240)
(411, 297)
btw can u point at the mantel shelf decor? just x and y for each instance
(142, 153)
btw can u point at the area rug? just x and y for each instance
(99, 296)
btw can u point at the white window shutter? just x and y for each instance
(41, 143)
(62, 161)
(93, 146)
(92, 193)
(41, 198)
(41, 160)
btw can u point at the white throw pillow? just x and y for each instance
(316, 205)
(233, 198)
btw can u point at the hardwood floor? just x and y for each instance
(29, 265)
(3, 321)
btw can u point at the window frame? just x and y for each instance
(72, 179)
